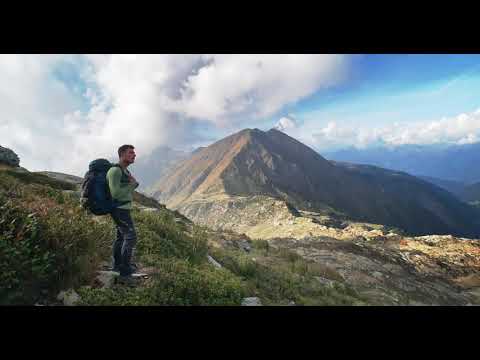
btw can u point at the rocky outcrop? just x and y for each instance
(8, 157)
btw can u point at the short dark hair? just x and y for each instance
(124, 148)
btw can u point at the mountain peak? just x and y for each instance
(254, 162)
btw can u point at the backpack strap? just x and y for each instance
(125, 173)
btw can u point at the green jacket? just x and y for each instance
(120, 188)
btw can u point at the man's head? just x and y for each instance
(126, 154)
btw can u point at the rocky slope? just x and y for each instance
(381, 263)
(253, 162)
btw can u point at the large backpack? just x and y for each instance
(95, 194)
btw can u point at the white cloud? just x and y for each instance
(145, 100)
(232, 87)
(461, 129)
(286, 123)
(32, 105)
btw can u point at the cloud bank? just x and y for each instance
(461, 129)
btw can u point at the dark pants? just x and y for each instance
(125, 242)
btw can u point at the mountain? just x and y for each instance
(471, 193)
(449, 162)
(455, 187)
(149, 168)
(253, 162)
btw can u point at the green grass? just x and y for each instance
(49, 243)
(178, 282)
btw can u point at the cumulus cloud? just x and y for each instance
(232, 87)
(286, 123)
(146, 100)
(461, 129)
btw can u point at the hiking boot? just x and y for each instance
(131, 269)
(134, 267)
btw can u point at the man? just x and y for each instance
(122, 184)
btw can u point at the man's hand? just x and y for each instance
(132, 179)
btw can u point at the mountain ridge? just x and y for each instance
(253, 162)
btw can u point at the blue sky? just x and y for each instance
(406, 88)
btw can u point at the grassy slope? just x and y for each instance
(48, 243)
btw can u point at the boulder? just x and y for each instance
(8, 157)
(213, 262)
(251, 301)
(69, 297)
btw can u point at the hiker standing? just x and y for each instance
(122, 184)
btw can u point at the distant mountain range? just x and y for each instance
(458, 163)
(150, 168)
(253, 162)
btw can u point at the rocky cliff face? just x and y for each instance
(8, 157)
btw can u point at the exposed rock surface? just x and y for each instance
(251, 301)
(212, 261)
(381, 263)
(68, 297)
(9, 157)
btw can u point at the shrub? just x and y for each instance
(26, 267)
(47, 242)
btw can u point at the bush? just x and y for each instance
(26, 267)
(47, 242)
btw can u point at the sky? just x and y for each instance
(59, 112)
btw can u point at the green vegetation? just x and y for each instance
(49, 243)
